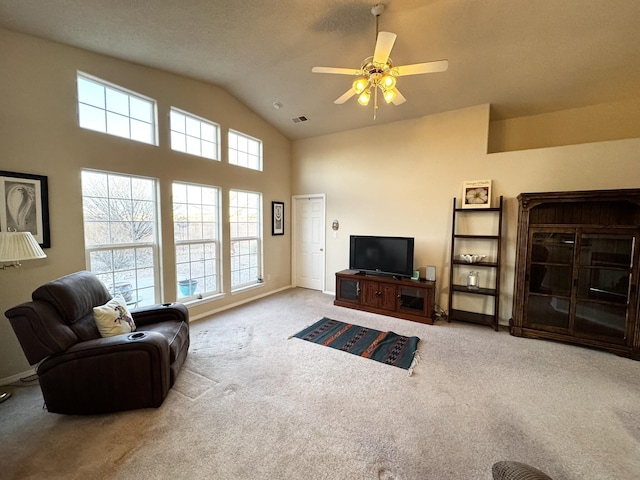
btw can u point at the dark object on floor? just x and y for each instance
(385, 347)
(83, 373)
(506, 470)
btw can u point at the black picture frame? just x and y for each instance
(24, 205)
(277, 218)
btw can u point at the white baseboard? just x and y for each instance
(235, 304)
(16, 378)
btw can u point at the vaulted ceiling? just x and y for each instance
(523, 57)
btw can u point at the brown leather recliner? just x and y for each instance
(81, 372)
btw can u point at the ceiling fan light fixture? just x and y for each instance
(360, 85)
(378, 71)
(364, 97)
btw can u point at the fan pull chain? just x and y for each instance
(375, 102)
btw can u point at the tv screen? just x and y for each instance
(382, 255)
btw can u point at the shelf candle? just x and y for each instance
(472, 280)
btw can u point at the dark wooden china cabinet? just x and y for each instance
(577, 269)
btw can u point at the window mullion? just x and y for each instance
(118, 246)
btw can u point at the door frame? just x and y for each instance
(294, 237)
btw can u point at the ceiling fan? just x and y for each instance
(378, 73)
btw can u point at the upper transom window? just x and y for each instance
(245, 151)
(194, 135)
(113, 110)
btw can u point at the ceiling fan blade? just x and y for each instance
(346, 96)
(418, 68)
(399, 99)
(384, 44)
(339, 71)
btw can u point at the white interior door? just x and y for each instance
(309, 241)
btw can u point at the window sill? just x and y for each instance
(203, 300)
(247, 287)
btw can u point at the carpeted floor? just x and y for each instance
(253, 404)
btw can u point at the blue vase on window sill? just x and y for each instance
(187, 287)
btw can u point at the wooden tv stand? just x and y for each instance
(408, 299)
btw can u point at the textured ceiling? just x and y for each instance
(521, 56)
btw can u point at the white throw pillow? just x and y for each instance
(114, 318)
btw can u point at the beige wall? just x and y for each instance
(400, 179)
(39, 134)
(594, 123)
(394, 179)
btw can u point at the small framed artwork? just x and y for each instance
(476, 194)
(277, 214)
(24, 205)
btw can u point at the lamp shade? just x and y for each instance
(16, 246)
(388, 82)
(360, 84)
(364, 97)
(389, 95)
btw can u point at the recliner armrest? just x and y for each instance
(160, 313)
(107, 374)
(153, 342)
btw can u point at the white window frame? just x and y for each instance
(188, 134)
(190, 227)
(112, 117)
(242, 155)
(243, 275)
(133, 280)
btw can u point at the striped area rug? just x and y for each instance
(384, 347)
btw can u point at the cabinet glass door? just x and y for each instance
(604, 271)
(412, 300)
(348, 290)
(549, 279)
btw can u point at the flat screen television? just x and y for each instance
(391, 256)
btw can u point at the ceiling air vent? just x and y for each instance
(300, 119)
